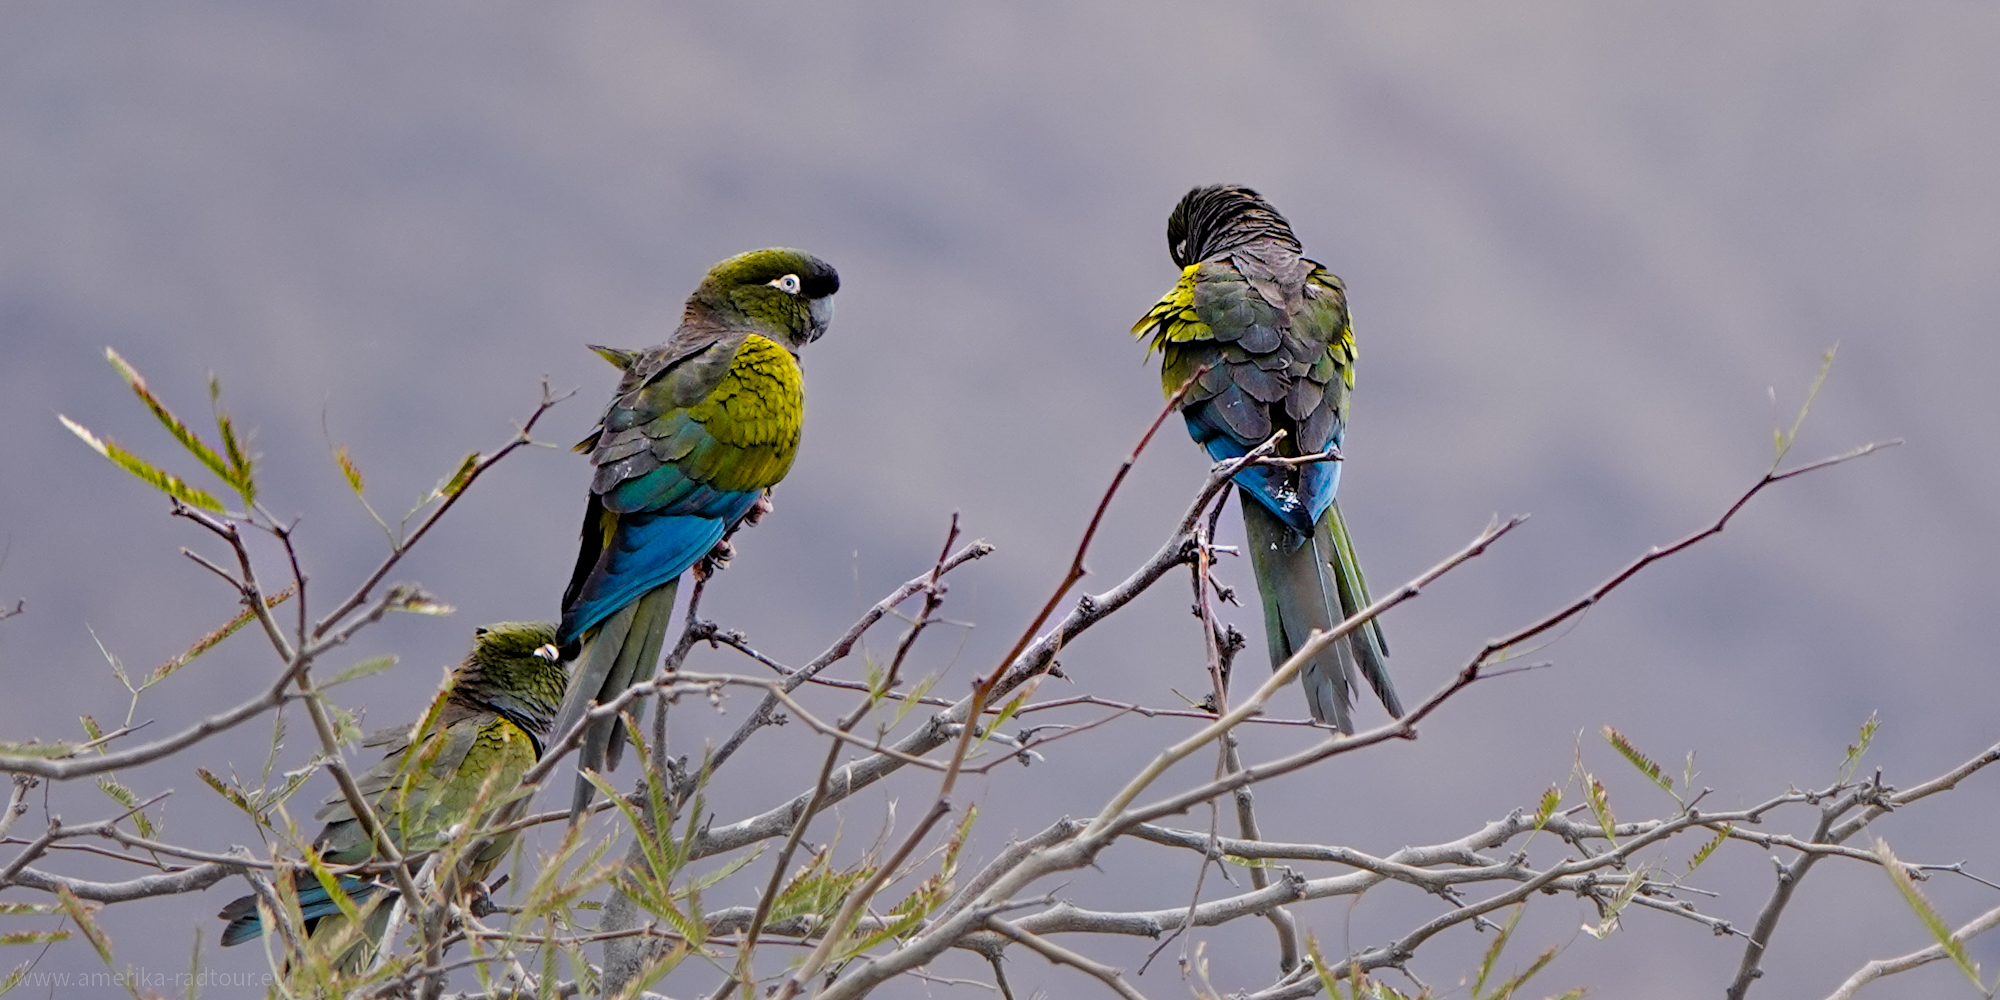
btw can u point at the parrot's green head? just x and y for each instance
(1221, 217)
(514, 669)
(786, 295)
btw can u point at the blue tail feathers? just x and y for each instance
(246, 924)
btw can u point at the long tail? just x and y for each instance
(1314, 583)
(316, 906)
(622, 652)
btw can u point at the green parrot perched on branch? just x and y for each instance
(485, 730)
(1272, 328)
(700, 428)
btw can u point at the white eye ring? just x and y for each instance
(549, 652)
(789, 284)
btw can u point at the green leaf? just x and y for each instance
(124, 796)
(266, 799)
(456, 483)
(154, 477)
(117, 668)
(25, 909)
(1493, 952)
(927, 897)
(233, 445)
(372, 665)
(33, 937)
(1508, 988)
(817, 889)
(324, 877)
(14, 978)
(1646, 765)
(1710, 847)
(1326, 977)
(194, 964)
(85, 922)
(411, 599)
(1926, 912)
(912, 699)
(181, 431)
(1551, 800)
(37, 750)
(349, 470)
(1600, 807)
(346, 728)
(92, 729)
(1242, 862)
(720, 875)
(1609, 923)
(209, 641)
(227, 790)
(1786, 440)
(1860, 746)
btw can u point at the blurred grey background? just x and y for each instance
(1595, 253)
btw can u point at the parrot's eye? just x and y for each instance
(549, 652)
(789, 284)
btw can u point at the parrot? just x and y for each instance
(1271, 328)
(700, 428)
(488, 726)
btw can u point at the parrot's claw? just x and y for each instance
(479, 898)
(759, 509)
(716, 560)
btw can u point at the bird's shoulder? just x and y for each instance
(670, 376)
(411, 761)
(742, 435)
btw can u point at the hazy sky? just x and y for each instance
(1594, 252)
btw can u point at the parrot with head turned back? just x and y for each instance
(489, 727)
(1272, 329)
(699, 429)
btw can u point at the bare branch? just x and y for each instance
(1659, 552)
(1060, 955)
(192, 879)
(762, 714)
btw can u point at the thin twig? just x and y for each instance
(400, 548)
(1060, 955)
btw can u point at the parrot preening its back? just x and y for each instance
(700, 428)
(491, 726)
(1272, 327)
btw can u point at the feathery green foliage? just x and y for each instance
(1551, 800)
(1600, 807)
(1710, 847)
(1927, 912)
(86, 922)
(148, 473)
(1634, 881)
(1646, 765)
(213, 638)
(235, 470)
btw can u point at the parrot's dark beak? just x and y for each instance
(822, 315)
